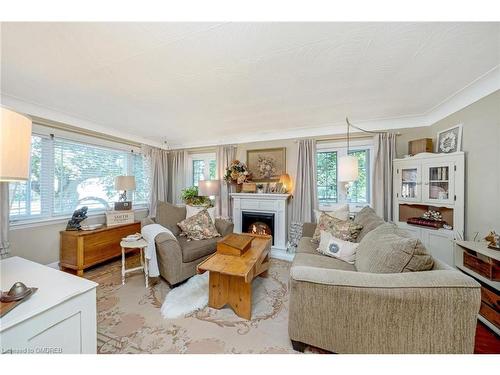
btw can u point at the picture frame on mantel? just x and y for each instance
(267, 165)
(449, 140)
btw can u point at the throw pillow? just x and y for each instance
(388, 249)
(198, 227)
(344, 229)
(169, 215)
(340, 212)
(337, 248)
(193, 210)
(369, 220)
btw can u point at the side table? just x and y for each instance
(141, 245)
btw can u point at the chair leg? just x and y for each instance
(298, 346)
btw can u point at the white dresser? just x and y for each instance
(59, 318)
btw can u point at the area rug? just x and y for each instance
(129, 317)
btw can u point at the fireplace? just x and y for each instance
(257, 222)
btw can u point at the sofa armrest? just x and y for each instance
(224, 227)
(424, 279)
(146, 221)
(308, 229)
(354, 312)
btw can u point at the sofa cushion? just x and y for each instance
(337, 248)
(306, 246)
(340, 211)
(169, 215)
(199, 227)
(321, 261)
(346, 230)
(388, 249)
(369, 220)
(192, 250)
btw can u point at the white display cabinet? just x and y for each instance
(431, 181)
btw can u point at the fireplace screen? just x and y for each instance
(258, 223)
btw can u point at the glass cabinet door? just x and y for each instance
(438, 183)
(410, 184)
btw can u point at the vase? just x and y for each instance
(238, 188)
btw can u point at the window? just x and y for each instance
(202, 167)
(327, 176)
(66, 175)
(329, 190)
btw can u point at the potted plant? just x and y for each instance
(190, 196)
(237, 173)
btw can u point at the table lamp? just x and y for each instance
(209, 188)
(124, 183)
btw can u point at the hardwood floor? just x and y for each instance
(487, 342)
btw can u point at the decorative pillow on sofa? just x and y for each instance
(344, 229)
(369, 220)
(340, 212)
(388, 249)
(193, 210)
(337, 248)
(198, 227)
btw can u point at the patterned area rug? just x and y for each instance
(129, 318)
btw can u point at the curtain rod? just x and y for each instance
(74, 129)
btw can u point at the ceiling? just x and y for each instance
(208, 83)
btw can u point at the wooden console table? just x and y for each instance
(86, 248)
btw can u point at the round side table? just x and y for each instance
(139, 244)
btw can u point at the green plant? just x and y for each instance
(190, 196)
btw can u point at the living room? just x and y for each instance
(250, 187)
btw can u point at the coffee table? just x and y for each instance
(230, 276)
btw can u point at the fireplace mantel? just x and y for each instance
(268, 203)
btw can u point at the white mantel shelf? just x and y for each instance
(265, 203)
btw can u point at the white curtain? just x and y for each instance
(225, 155)
(177, 175)
(305, 198)
(158, 169)
(385, 152)
(4, 219)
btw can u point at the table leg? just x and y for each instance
(146, 270)
(123, 266)
(231, 290)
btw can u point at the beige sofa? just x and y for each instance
(337, 308)
(178, 257)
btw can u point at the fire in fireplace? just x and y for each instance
(257, 222)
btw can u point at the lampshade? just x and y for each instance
(125, 183)
(15, 146)
(208, 188)
(286, 181)
(348, 168)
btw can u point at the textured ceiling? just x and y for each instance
(192, 83)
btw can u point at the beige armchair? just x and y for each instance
(177, 257)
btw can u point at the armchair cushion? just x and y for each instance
(193, 250)
(169, 215)
(388, 249)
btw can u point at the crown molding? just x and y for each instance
(483, 86)
(37, 110)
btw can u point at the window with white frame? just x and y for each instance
(202, 166)
(66, 175)
(330, 190)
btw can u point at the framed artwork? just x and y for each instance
(267, 164)
(449, 140)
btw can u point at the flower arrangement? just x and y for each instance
(266, 167)
(237, 172)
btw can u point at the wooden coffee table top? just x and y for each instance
(244, 265)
